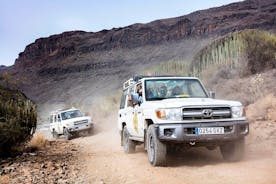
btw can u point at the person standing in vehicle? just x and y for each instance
(140, 94)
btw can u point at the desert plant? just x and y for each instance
(260, 49)
(256, 84)
(17, 119)
(37, 142)
(248, 51)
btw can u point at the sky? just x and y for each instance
(24, 21)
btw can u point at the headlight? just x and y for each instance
(169, 114)
(237, 111)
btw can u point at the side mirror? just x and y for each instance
(212, 94)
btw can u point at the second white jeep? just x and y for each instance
(69, 122)
(167, 112)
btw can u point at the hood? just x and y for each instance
(181, 102)
(78, 119)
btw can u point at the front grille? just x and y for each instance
(198, 113)
(80, 122)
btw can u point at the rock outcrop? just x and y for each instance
(250, 14)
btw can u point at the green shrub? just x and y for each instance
(18, 119)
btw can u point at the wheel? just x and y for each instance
(67, 134)
(128, 144)
(233, 151)
(157, 150)
(55, 134)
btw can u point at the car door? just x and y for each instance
(138, 119)
(122, 115)
(129, 110)
(54, 125)
(60, 127)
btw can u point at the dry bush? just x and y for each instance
(5, 179)
(214, 74)
(37, 142)
(256, 86)
(260, 48)
(264, 108)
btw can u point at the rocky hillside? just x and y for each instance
(80, 68)
(250, 14)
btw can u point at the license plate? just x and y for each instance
(209, 130)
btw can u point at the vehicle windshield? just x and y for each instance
(159, 89)
(71, 114)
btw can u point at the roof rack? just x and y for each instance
(128, 83)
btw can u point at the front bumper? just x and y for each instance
(185, 132)
(82, 127)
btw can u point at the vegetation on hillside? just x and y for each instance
(18, 119)
(247, 52)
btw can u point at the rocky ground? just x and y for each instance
(56, 163)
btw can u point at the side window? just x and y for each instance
(123, 99)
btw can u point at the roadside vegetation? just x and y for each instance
(18, 119)
(247, 52)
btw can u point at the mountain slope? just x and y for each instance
(250, 14)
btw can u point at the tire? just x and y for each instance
(67, 134)
(55, 134)
(233, 151)
(128, 144)
(157, 150)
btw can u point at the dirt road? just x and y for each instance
(103, 161)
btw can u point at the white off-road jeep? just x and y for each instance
(171, 112)
(69, 122)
